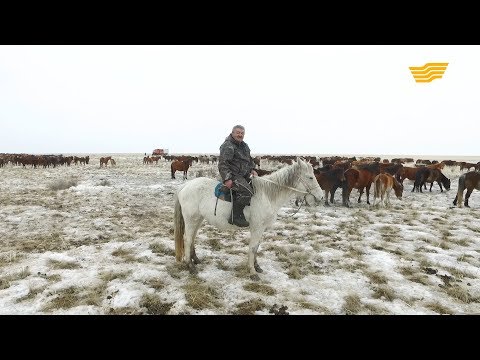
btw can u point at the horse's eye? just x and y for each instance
(311, 177)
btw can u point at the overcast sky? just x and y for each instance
(291, 99)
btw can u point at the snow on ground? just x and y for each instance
(105, 246)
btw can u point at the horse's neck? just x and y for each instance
(278, 188)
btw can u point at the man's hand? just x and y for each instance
(228, 183)
(254, 173)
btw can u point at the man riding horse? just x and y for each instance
(236, 166)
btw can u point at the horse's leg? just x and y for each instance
(368, 193)
(439, 184)
(332, 193)
(326, 197)
(467, 195)
(253, 266)
(361, 192)
(191, 228)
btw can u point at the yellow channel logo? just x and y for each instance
(428, 72)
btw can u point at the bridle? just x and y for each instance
(308, 192)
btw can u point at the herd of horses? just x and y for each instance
(194, 200)
(362, 176)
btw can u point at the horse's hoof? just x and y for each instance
(255, 277)
(196, 260)
(258, 268)
(192, 269)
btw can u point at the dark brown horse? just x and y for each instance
(104, 160)
(330, 181)
(426, 174)
(181, 165)
(469, 181)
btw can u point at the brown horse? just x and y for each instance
(256, 161)
(469, 181)
(104, 160)
(425, 175)
(181, 165)
(366, 175)
(383, 185)
(329, 181)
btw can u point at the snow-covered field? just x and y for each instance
(104, 245)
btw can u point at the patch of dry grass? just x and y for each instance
(260, 288)
(60, 264)
(352, 304)
(6, 280)
(156, 283)
(47, 242)
(10, 257)
(376, 277)
(459, 293)
(200, 295)
(249, 307)
(64, 299)
(62, 184)
(376, 309)
(154, 305)
(125, 310)
(126, 255)
(438, 308)
(384, 292)
(32, 293)
(108, 276)
(159, 248)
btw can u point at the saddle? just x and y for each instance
(223, 193)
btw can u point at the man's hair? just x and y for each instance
(238, 127)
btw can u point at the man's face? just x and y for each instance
(238, 134)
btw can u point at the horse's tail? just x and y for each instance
(377, 188)
(461, 188)
(179, 230)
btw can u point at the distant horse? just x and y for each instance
(425, 175)
(383, 185)
(181, 165)
(261, 172)
(195, 201)
(366, 175)
(469, 181)
(104, 160)
(330, 181)
(256, 161)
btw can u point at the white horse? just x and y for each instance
(195, 201)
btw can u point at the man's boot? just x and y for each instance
(238, 217)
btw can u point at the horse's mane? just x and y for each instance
(285, 176)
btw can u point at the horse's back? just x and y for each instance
(197, 190)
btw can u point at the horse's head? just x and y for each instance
(307, 182)
(398, 188)
(446, 182)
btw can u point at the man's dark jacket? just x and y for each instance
(234, 159)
